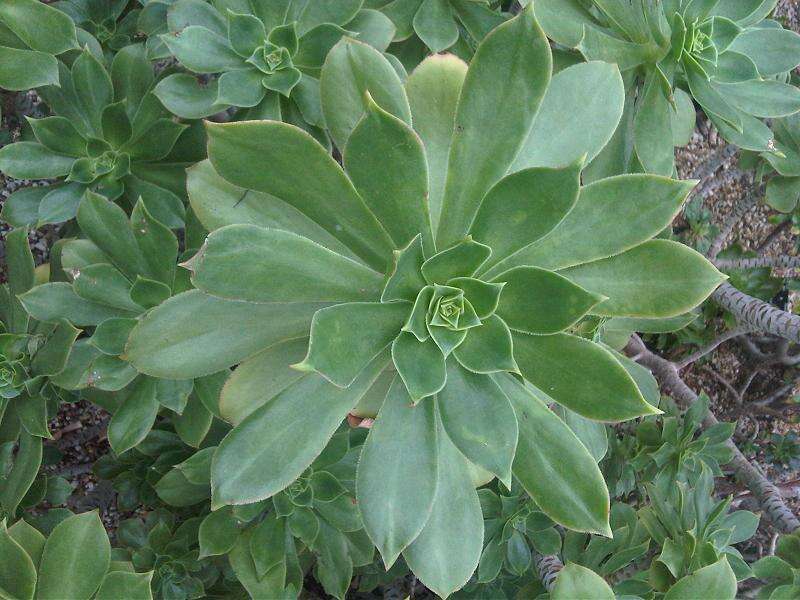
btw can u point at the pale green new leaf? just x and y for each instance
(130, 586)
(17, 570)
(714, 581)
(575, 581)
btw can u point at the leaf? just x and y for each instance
(56, 301)
(60, 204)
(19, 261)
(554, 467)
(93, 88)
(460, 260)
(261, 378)
(351, 69)
(385, 160)
(26, 69)
(397, 473)
(405, 280)
(435, 25)
(479, 420)
(23, 473)
(511, 62)
(41, 27)
(488, 348)
(75, 559)
(652, 127)
(51, 357)
(157, 244)
(433, 90)
(442, 566)
(538, 301)
(135, 417)
(59, 135)
(29, 538)
(192, 334)
(759, 98)
(523, 207)
(581, 375)
(17, 570)
(269, 265)
(202, 51)
(286, 154)
(218, 533)
(338, 12)
(714, 581)
(105, 285)
(579, 113)
(657, 279)
(31, 160)
(131, 586)
(194, 423)
(184, 96)
(774, 50)
(278, 441)
(339, 355)
(576, 581)
(420, 365)
(610, 216)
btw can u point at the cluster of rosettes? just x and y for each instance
(453, 313)
(274, 57)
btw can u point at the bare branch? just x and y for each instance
(724, 337)
(779, 262)
(764, 490)
(774, 235)
(756, 314)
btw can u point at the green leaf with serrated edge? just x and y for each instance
(278, 441)
(553, 466)
(611, 215)
(107, 225)
(405, 280)
(245, 33)
(184, 96)
(576, 581)
(148, 293)
(41, 27)
(157, 244)
(131, 586)
(59, 135)
(351, 69)
(435, 25)
(27, 462)
(17, 570)
(456, 514)
(192, 334)
(488, 348)
(396, 477)
(770, 99)
(135, 417)
(460, 260)
(104, 284)
(373, 28)
(581, 375)
(315, 45)
(32, 413)
(592, 434)
(240, 88)
(707, 96)
(523, 207)
(579, 113)
(55, 301)
(774, 51)
(479, 420)
(417, 319)
(31, 160)
(538, 301)
(659, 278)
(51, 357)
(336, 353)
(483, 296)
(202, 51)
(511, 62)
(644, 379)
(433, 89)
(77, 545)
(714, 581)
(218, 533)
(385, 160)
(218, 203)
(667, 325)
(447, 339)
(260, 378)
(419, 364)
(286, 154)
(247, 262)
(26, 69)
(109, 373)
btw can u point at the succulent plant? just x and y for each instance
(109, 134)
(486, 274)
(723, 54)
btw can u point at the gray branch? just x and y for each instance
(548, 566)
(768, 495)
(752, 312)
(759, 262)
(740, 208)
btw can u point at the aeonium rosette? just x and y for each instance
(434, 282)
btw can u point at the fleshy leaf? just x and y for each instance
(488, 348)
(397, 474)
(581, 375)
(541, 302)
(421, 365)
(554, 467)
(385, 160)
(525, 206)
(447, 339)
(479, 420)
(576, 581)
(346, 337)
(714, 581)
(247, 262)
(659, 278)
(513, 61)
(482, 295)
(406, 281)
(460, 260)
(278, 441)
(417, 320)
